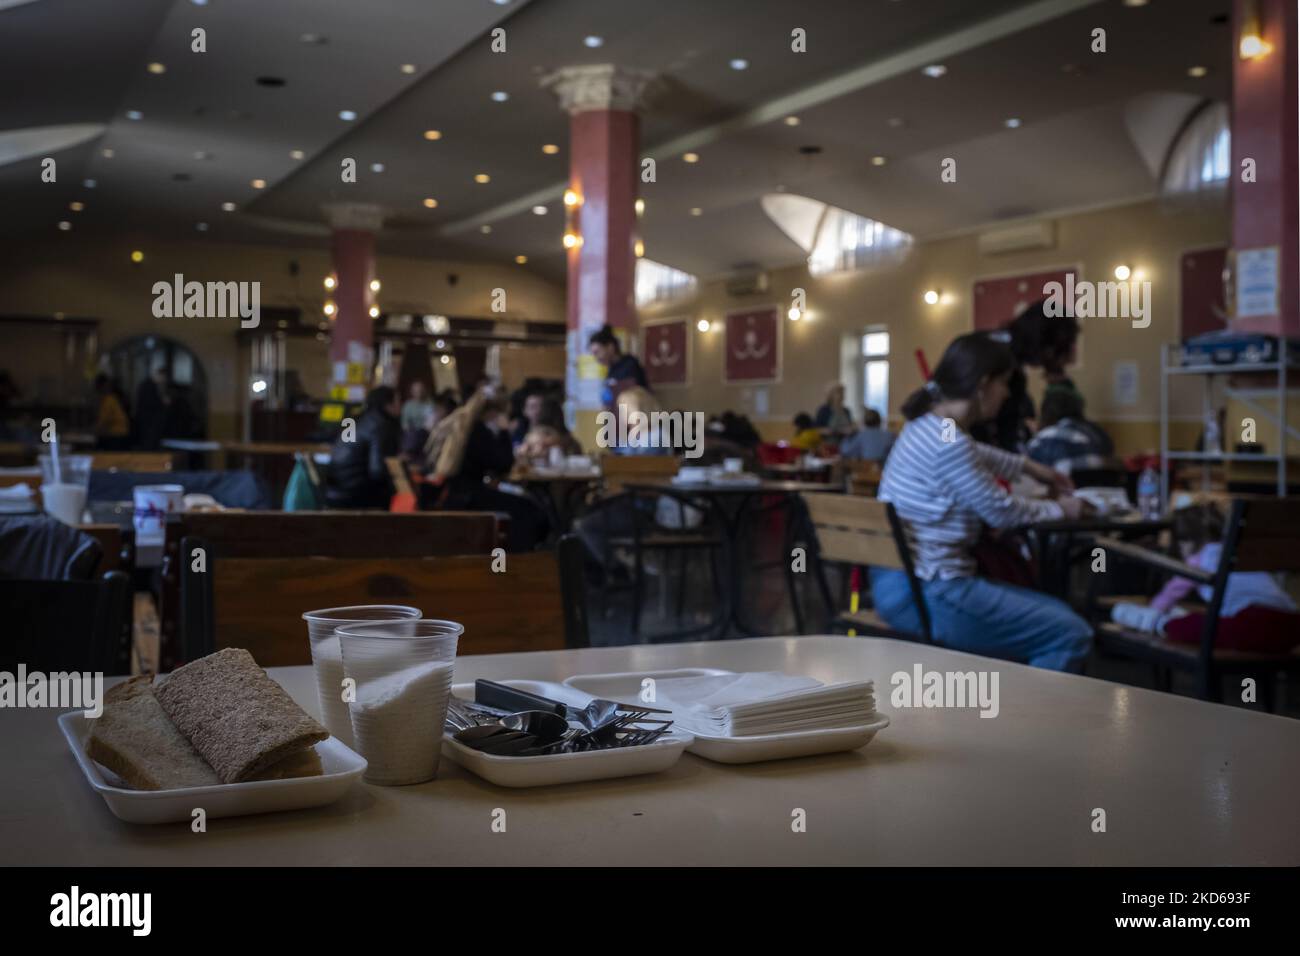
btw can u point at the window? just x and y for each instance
(1201, 156)
(656, 282)
(875, 377)
(835, 239)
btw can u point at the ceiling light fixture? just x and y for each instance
(331, 282)
(550, 149)
(1122, 272)
(374, 311)
(485, 229)
(521, 260)
(639, 206)
(702, 325)
(792, 121)
(571, 197)
(571, 240)
(258, 184)
(432, 134)
(1012, 122)
(794, 314)
(376, 167)
(539, 210)
(76, 205)
(227, 207)
(593, 41)
(408, 68)
(296, 154)
(137, 256)
(134, 115)
(500, 96)
(878, 160)
(65, 225)
(330, 308)
(347, 115)
(739, 64)
(935, 70)
(374, 285)
(445, 359)
(482, 178)
(690, 157)
(1196, 72)
(156, 68)
(931, 297)
(697, 211)
(90, 183)
(430, 203)
(106, 153)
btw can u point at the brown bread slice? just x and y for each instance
(136, 740)
(236, 717)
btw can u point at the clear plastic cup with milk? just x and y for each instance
(402, 672)
(64, 480)
(327, 659)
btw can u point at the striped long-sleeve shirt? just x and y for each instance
(943, 484)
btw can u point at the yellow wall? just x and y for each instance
(1149, 235)
(96, 279)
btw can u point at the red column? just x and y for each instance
(603, 171)
(352, 248)
(1264, 128)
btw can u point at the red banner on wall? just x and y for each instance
(998, 301)
(665, 347)
(753, 345)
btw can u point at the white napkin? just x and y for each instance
(19, 492)
(736, 705)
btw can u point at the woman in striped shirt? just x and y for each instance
(943, 484)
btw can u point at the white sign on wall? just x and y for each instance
(1124, 383)
(1257, 282)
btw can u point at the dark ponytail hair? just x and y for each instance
(966, 363)
(604, 336)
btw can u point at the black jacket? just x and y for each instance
(358, 477)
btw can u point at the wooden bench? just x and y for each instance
(143, 461)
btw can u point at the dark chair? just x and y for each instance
(1261, 536)
(255, 602)
(67, 625)
(859, 532)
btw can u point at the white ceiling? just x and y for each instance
(1024, 58)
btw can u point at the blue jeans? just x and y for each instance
(987, 617)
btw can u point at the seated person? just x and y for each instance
(358, 476)
(548, 431)
(529, 412)
(1065, 439)
(807, 437)
(871, 442)
(1257, 615)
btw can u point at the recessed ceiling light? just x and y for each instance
(697, 211)
(521, 259)
(486, 230)
(792, 121)
(296, 154)
(65, 225)
(550, 149)
(156, 68)
(1012, 122)
(201, 226)
(137, 255)
(347, 115)
(482, 178)
(199, 3)
(76, 206)
(593, 41)
(432, 134)
(739, 64)
(376, 167)
(539, 210)
(228, 207)
(90, 183)
(500, 3)
(408, 68)
(935, 70)
(690, 157)
(500, 96)
(1196, 72)
(134, 115)
(1135, 3)
(430, 203)
(878, 160)
(106, 153)
(258, 184)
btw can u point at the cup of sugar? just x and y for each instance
(401, 675)
(327, 658)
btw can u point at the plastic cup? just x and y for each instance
(63, 488)
(402, 672)
(327, 658)
(153, 503)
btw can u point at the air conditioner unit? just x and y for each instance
(747, 283)
(1034, 235)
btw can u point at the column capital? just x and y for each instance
(354, 215)
(601, 86)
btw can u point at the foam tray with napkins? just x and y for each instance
(749, 718)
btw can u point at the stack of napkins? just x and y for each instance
(743, 705)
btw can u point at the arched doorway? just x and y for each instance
(132, 362)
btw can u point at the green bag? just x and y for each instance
(300, 494)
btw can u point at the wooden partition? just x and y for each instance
(618, 470)
(145, 461)
(343, 534)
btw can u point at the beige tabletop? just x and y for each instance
(1182, 783)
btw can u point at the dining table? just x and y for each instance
(730, 501)
(1178, 781)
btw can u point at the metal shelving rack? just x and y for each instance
(1169, 367)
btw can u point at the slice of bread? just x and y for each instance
(238, 719)
(136, 740)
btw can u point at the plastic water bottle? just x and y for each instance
(1148, 493)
